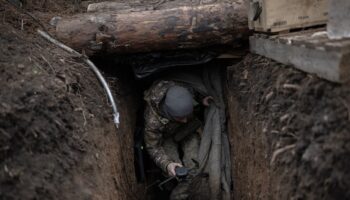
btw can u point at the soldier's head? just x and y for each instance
(178, 104)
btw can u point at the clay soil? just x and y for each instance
(57, 138)
(290, 133)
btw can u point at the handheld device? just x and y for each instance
(180, 175)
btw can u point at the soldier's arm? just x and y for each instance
(153, 141)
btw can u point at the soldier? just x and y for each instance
(170, 125)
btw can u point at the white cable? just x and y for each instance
(94, 69)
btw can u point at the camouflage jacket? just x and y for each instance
(157, 127)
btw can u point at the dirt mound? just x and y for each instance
(290, 133)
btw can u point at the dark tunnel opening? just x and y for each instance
(122, 68)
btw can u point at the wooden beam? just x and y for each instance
(108, 6)
(180, 27)
(339, 19)
(135, 7)
(310, 52)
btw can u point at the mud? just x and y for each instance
(289, 133)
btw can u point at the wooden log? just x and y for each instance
(122, 7)
(153, 30)
(107, 6)
(312, 53)
(117, 7)
(339, 19)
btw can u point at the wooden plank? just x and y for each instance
(287, 35)
(332, 64)
(339, 19)
(279, 15)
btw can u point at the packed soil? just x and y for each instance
(57, 137)
(289, 133)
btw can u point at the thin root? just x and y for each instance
(280, 151)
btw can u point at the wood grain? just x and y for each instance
(153, 30)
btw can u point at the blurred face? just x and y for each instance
(181, 119)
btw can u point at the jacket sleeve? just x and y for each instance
(154, 140)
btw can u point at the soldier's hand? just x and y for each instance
(171, 168)
(206, 100)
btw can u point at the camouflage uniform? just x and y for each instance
(163, 137)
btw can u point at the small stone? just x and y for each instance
(21, 66)
(54, 21)
(313, 155)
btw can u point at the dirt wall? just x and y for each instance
(57, 138)
(289, 133)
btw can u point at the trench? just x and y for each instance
(288, 130)
(145, 173)
(262, 118)
(286, 142)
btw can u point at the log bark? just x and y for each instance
(154, 30)
(107, 6)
